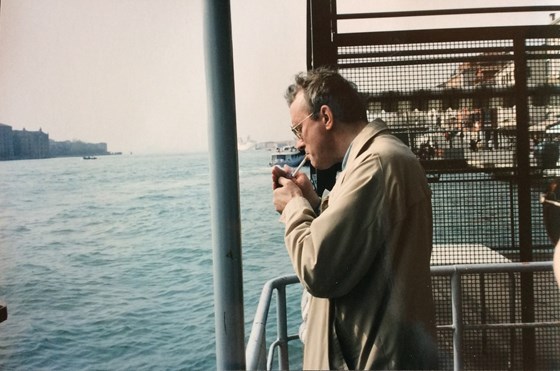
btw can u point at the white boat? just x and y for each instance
(287, 155)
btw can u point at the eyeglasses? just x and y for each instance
(296, 129)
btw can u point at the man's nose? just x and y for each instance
(300, 145)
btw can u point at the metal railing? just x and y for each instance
(257, 357)
(459, 326)
(256, 347)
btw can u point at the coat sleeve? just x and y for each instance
(331, 253)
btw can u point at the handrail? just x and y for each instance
(446, 270)
(455, 272)
(256, 347)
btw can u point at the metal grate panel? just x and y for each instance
(480, 107)
(455, 104)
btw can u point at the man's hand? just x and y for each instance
(298, 185)
(277, 173)
(303, 182)
(284, 192)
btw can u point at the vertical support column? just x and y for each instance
(226, 225)
(322, 51)
(524, 197)
(322, 24)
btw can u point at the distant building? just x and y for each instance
(6, 142)
(77, 148)
(31, 144)
(24, 144)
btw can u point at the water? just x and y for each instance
(107, 264)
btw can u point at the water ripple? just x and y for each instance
(113, 268)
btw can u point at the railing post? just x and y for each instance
(255, 354)
(512, 333)
(483, 308)
(457, 313)
(283, 357)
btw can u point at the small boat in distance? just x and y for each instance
(287, 155)
(90, 158)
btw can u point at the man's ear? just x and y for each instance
(327, 116)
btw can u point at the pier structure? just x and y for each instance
(480, 107)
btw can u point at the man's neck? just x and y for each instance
(347, 136)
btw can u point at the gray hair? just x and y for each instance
(324, 86)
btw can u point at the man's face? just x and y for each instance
(313, 135)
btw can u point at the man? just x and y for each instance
(362, 252)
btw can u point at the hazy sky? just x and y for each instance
(131, 72)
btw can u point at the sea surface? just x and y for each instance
(107, 264)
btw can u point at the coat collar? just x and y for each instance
(371, 130)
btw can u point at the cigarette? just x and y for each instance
(299, 166)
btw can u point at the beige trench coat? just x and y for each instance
(365, 261)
